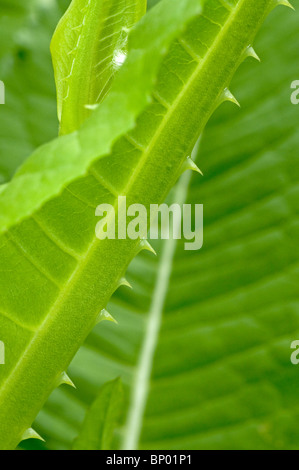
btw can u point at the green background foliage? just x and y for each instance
(221, 376)
(29, 117)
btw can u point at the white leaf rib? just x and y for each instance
(141, 385)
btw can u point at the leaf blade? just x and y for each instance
(70, 315)
(101, 419)
(217, 398)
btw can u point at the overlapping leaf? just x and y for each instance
(65, 274)
(88, 48)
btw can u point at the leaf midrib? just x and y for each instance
(51, 317)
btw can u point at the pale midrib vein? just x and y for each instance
(142, 379)
(54, 310)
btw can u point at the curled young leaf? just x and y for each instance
(88, 47)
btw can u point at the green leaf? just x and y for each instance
(95, 139)
(88, 47)
(101, 419)
(56, 275)
(47, 260)
(221, 376)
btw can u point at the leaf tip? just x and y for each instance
(189, 164)
(228, 96)
(104, 315)
(31, 434)
(64, 379)
(124, 282)
(284, 3)
(145, 245)
(250, 52)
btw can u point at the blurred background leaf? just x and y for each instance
(29, 116)
(221, 376)
(101, 419)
